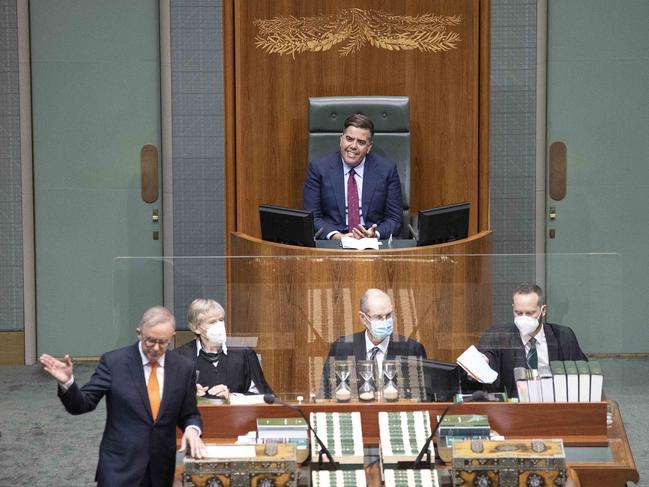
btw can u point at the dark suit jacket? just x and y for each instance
(132, 440)
(354, 346)
(324, 195)
(503, 346)
(249, 371)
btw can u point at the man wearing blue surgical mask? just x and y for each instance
(378, 341)
(529, 341)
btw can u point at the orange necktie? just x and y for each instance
(154, 390)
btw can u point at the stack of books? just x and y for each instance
(403, 435)
(456, 427)
(342, 434)
(562, 381)
(285, 430)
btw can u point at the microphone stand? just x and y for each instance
(332, 465)
(476, 396)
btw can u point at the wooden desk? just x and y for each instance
(297, 300)
(581, 425)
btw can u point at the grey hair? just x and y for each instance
(157, 315)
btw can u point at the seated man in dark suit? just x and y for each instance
(354, 192)
(220, 369)
(527, 342)
(376, 342)
(149, 393)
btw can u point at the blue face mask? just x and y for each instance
(381, 329)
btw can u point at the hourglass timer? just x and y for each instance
(390, 389)
(343, 392)
(366, 371)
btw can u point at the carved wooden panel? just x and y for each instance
(277, 54)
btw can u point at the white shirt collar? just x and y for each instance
(199, 347)
(383, 346)
(540, 338)
(146, 361)
(360, 169)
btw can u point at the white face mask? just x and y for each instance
(526, 324)
(216, 333)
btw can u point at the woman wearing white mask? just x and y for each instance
(221, 369)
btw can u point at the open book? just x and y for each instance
(360, 243)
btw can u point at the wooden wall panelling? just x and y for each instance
(267, 112)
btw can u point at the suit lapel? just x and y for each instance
(370, 180)
(137, 374)
(359, 346)
(171, 378)
(338, 183)
(553, 344)
(518, 348)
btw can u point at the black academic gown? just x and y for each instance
(503, 346)
(237, 369)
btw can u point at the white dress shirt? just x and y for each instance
(358, 177)
(380, 355)
(541, 347)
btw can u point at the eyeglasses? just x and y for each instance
(152, 342)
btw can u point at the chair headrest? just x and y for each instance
(389, 113)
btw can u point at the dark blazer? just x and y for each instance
(503, 346)
(324, 195)
(132, 440)
(249, 369)
(354, 346)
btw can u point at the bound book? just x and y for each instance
(465, 425)
(596, 381)
(560, 382)
(409, 477)
(584, 380)
(342, 434)
(520, 375)
(402, 435)
(572, 379)
(547, 384)
(282, 428)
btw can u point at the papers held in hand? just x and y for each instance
(474, 363)
(360, 243)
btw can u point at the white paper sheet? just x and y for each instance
(230, 451)
(473, 362)
(237, 398)
(360, 243)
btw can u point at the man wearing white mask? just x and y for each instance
(378, 341)
(220, 369)
(527, 342)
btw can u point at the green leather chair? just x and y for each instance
(391, 117)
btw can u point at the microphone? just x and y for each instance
(271, 399)
(318, 233)
(414, 233)
(476, 396)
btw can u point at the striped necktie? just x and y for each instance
(153, 389)
(373, 352)
(532, 358)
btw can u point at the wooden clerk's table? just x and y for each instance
(295, 300)
(582, 427)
